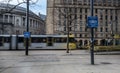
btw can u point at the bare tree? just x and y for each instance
(65, 18)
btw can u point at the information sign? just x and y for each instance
(27, 34)
(92, 21)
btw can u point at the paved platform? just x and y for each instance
(41, 61)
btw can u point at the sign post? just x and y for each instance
(26, 36)
(92, 23)
(27, 29)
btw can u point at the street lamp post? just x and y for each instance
(92, 37)
(27, 39)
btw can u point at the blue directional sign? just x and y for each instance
(92, 21)
(27, 34)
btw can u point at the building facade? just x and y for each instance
(13, 20)
(71, 15)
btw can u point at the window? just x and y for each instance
(85, 1)
(111, 17)
(1, 17)
(20, 39)
(75, 35)
(68, 1)
(109, 1)
(111, 11)
(85, 35)
(106, 35)
(71, 40)
(86, 17)
(101, 17)
(64, 28)
(60, 40)
(80, 16)
(116, 18)
(75, 16)
(106, 17)
(6, 39)
(6, 18)
(17, 22)
(116, 12)
(99, 1)
(106, 29)
(81, 22)
(75, 1)
(38, 40)
(70, 28)
(11, 18)
(80, 10)
(85, 29)
(85, 10)
(70, 10)
(80, 35)
(75, 10)
(80, 29)
(96, 11)
(101, 29)
(103, 1)
(106, 11)
(106, 23)
(23, 21)
(79, 2)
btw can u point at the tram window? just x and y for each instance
(71, 40)
(38, 40)
(35, 40)
(1, 41)
(6, 39)
(60, 40)
(43, 40)
(49, 39)
(56, 40)
(20, 39)
(63, 40)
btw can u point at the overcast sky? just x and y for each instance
(39, 6)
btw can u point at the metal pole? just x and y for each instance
(112, 35)
(27, 39)
(92, 36)
(67, 20)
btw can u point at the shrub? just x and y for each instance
(107, 48)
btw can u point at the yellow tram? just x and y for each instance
(37, 42)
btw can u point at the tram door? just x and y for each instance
(1, 41)
(50, 41)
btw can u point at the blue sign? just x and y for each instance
(27, 34)
(92, 21)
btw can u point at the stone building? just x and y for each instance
(64, 15)
(13, 20)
